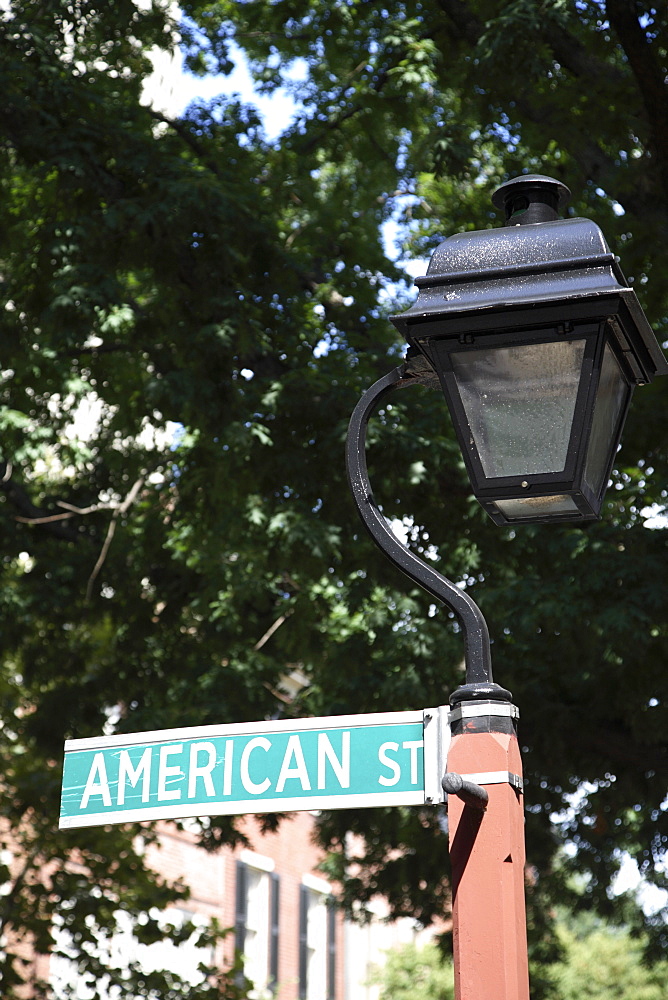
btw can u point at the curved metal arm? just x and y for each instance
(476, 636)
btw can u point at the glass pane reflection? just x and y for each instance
(520, 507)
(519, 402)
(612, 393)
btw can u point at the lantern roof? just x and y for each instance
(531, 274)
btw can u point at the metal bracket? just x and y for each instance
(472, 794)
(436, 745)
(476, 710)
(477, 655)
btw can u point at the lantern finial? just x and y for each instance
(531, 198)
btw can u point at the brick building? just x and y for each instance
(275, 901)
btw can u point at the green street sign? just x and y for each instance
(393, 758)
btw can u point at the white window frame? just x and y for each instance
(257, 934)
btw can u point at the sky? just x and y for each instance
(171, 89)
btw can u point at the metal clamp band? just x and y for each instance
(496, 778)
(477, 709)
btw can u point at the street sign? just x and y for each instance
(392, 758)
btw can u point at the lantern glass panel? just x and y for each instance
(519, 402)
(611, 397)
(522, 507)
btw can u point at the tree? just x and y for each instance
(602, 963)
(218, 303)
(410, 969)
(596, 962)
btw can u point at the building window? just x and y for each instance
(317, 941)
(275, 903)
(257, 921)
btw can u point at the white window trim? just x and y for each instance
(317, 884)
(257, 861)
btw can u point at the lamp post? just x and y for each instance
(537, 342)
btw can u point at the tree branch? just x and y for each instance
(120, 510)
(71, 512)
(270, 631)
(186, 134)
(568, 51)
(18, 497)
(649, 76)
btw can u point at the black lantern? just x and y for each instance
(538, 342)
